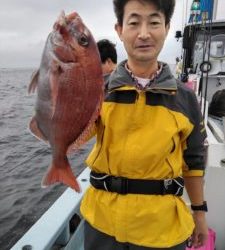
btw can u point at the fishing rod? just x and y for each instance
(208, 69)
(205, 66)
(198, 13)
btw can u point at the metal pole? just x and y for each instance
(183, 16)
(186, 11)
(215, 7)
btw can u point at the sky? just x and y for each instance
(25, 25)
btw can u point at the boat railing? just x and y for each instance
(60, 224)
(217, 127)
(223, 119)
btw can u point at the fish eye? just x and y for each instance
(83, 40)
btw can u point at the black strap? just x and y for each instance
(123, 185)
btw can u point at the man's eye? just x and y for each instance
(155, 23)
(133, 23)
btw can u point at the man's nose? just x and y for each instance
(144, 32)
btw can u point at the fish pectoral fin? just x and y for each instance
(89, 131)
(34, 82)
(61, 173)
(33, 126)
(82, 139)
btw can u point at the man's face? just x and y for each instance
(143, 31)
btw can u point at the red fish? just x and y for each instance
(69, 86)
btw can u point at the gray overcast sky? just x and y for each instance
(25, 24)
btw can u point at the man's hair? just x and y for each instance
(107, 50)
(165, 6)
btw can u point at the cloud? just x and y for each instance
(25, 25)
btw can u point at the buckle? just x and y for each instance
(110, 183)
(174, 186)
(167, 183)
(119, 185)
(179, 181)
(101, 178)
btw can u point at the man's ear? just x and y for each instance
(167, 28)
(118, 29)
(108, 60)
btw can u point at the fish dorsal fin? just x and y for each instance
(33, 126)
(34, 82)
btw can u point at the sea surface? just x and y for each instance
(23, 160)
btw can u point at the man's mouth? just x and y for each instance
(144, 46)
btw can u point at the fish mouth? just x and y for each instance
(72, 16)
(63, 19)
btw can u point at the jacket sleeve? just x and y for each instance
(195, 148)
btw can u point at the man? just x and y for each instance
(108, 56)
(150, 134)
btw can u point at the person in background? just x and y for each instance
(150, 143)
(108, 56)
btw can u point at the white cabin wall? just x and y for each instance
(219, 10)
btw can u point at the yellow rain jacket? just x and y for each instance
(153, 134)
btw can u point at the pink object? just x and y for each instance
(191, 84)
(210, 244)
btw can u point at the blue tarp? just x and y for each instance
(205, 6)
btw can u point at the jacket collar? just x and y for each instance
(164, 83)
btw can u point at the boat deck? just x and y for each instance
(52, 230)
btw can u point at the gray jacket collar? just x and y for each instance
(164, 83)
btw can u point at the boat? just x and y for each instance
(61, 226)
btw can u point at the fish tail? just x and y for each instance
(62, 174)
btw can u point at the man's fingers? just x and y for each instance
(195, 239)
(199, 240)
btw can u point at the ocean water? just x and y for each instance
(23, 160)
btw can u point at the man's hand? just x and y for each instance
(200, 233)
